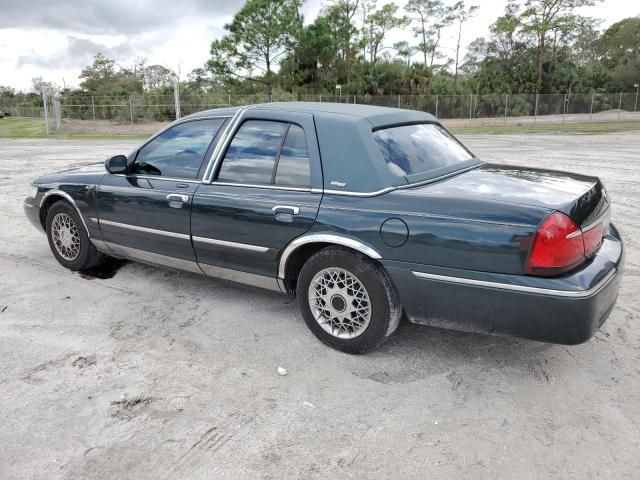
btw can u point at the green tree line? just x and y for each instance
(535, 46)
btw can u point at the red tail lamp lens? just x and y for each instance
(558, 246)
(593, 239)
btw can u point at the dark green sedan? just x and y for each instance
(366, 214)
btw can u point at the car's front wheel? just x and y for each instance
(347, 300)
(68, 239)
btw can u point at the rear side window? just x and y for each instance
(419, 149)
(178, 152)
(267, 152)
(293, 164)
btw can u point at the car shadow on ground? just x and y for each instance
(412, 353)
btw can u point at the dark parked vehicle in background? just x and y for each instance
(364, 213)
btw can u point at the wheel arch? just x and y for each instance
(300, 249)
(52, 196)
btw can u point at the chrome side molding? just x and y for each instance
(224, 243)
(237, 276)
(213, 271)
(151, 258)
(152, 231)
(520, 288)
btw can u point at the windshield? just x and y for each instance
(420, 149)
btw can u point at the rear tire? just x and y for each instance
(69, 240)
(347, 300)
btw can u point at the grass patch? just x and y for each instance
(22, 127)
(11, 127)
(550, 128)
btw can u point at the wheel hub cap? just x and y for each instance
(339, 303)
(65, 236)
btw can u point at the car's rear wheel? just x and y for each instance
(347, 300)
(69, 240)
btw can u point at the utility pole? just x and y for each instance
(176, 99)
(46, 112)
(93, 108)
(619, 105)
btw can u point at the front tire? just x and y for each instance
(69, 240)
(347, 300)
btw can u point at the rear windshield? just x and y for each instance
(416, 151)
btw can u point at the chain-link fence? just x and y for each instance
(144, 114)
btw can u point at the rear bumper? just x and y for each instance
(32, 211)
(567, 310)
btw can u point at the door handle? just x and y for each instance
(285, 209)
(176, 200)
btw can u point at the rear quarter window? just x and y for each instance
(415, 150)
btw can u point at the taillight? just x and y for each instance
(558, 246)
(593, 238)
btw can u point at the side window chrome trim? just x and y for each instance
(323, 238)
(266, 185)
(348, 193)
(222, 145)
(158, 177)
(67, 197)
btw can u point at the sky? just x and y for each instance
(54, 39)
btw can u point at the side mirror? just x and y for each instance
(117, 164)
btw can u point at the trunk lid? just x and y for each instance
(581, 197)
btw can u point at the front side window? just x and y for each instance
(420, 149)
(267, 152)
(178, 152)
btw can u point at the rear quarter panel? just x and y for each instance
(448, 232)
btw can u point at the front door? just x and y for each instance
(259, 197)
(145, 214)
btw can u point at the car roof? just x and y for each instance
(344, 138)
(378, 116)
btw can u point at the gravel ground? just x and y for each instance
(155, 374)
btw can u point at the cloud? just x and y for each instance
(108, 16)
(79, 52)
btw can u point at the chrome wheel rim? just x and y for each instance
(65, 236)
(339, 303)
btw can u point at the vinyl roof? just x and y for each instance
(376, 115)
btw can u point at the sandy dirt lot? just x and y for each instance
(163, 375)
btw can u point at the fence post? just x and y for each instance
(354, 99)
(229, 99)
(176, 99)
(436, 106)
(271, 98)
(506, 107)
(46, 112)
(535, 110)
(93, 108)
(591, 110)
(398, 101)
(320, 98)
(470, 107)
(131, 111)
(564, 108)
(619, 106)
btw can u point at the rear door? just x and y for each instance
(264, 192)
(145, 214)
